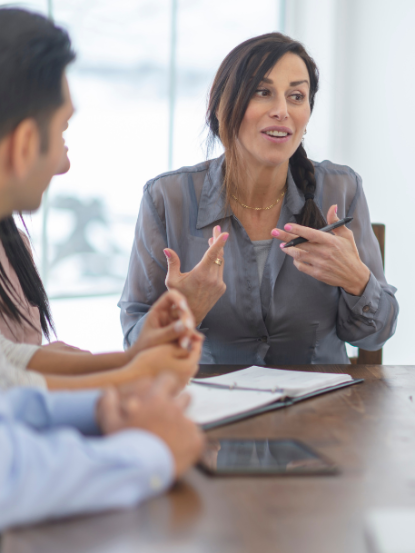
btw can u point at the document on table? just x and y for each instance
(391, 530)
(220, 397)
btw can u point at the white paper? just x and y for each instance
(391, 530)
(211, 404)
(293, 382)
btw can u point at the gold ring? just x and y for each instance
(218, 261)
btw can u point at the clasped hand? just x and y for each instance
(167, 341)
(330, 258)
(153, 405)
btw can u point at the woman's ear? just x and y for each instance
(24, 147)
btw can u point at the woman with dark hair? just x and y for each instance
(24, 305)
(255, 302)
(25, 314)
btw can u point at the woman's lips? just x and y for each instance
(277, 139)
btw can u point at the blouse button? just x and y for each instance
(366, 308)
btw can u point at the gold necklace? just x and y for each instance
(259, 208)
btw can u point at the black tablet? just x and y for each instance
(267, 457)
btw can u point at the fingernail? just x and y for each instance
(179, 326)
(167, 253)
(183, 305)
(288, 227)
(189, 324)
(218, 229)
(184, 342)
(225, 236)
(335, 209)
(132, 403)
(282, 245)
(275, 232)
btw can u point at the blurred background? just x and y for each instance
(140, 86)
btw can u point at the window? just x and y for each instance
(140, 86)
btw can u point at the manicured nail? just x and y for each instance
(167, 253)
(218, 229)
(179, 326)
(275, 232)
(225, 236)
(288, 227)
(189, 324)
(335, 209)
(185, 342)
(183, 305)
(282, 245)
(132, 404)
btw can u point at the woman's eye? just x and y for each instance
(262, 92)
(297, 96)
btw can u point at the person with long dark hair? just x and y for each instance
(33, 58)
(25, 313)
(255, 302)
(24, 307)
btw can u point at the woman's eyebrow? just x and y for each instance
(296, 83)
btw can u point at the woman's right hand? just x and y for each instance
(203, 285)
(166, 358)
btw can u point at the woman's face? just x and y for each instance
(277, 115)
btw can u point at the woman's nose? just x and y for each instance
(279, 109)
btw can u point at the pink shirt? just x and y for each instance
(11, 329)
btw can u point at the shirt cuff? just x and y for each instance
(75, 409)
(11, 377)
(151, 454)
(31, 379)
(367, 304)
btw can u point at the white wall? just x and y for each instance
(365, 118)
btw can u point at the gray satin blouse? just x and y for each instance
(288, 318)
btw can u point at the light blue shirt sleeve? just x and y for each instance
(43, 411)
(48, 469)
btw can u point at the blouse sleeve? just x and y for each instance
(14, 359)
(147, 270)
(367, 321)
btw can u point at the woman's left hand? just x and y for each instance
(330, 258)
(168, 321)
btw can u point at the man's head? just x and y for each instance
(35, 106)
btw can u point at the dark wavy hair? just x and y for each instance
(30, 281)
(234, 85)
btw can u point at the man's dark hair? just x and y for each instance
(33, 56)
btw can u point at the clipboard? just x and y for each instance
(277, 405)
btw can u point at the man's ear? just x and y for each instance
(24, 147)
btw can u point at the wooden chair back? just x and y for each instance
(365, 357)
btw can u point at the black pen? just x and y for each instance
(328, 228)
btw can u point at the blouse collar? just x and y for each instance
(212, 204)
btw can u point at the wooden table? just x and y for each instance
(368, 429)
